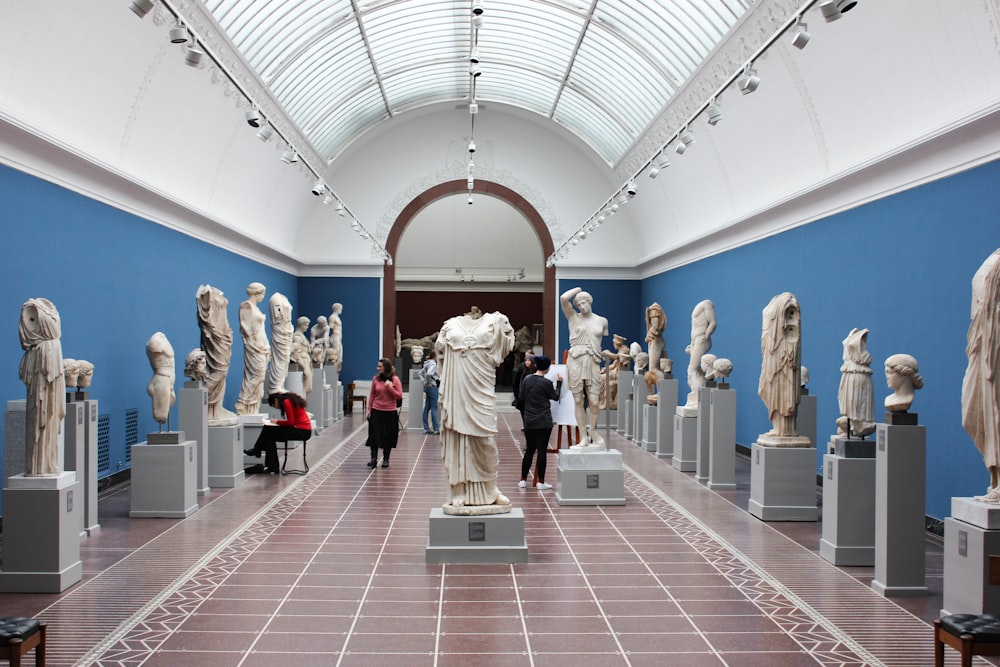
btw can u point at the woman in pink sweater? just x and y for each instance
(384, 399)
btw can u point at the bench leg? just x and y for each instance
(305, 463)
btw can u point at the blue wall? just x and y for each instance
(620, 301)
(901, 267)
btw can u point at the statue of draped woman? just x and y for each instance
(256, 351)
(41, 371)
(281, 342)
(300, 353)
(856, 394)
(217, 342)
(779, 386)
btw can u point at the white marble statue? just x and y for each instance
(319, 339)
(902, 375)
(161, 386)
(398, 340)
(86, 375)
(469, 351)
(640, 359)
(981, 386)
(335, 352)
(256, 351)
(41, 370)
(702, 327)
(779, 385)
(583, 365)
(656, 323)
(416, 354)
(708, 367)
(722, 369)
(71, 372)
(301, 353)
(196, 365)
(803, 376)
(856, 395)
(618, 360)
(217, 342)
(281, 342)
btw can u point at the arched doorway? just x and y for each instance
(504, 193)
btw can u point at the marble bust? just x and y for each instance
(41, 370)
(708, 366)
(161, 386)
(86, 375)
(721, 369)
(71, 372)
(902, 375)
(196, 365)
(416, 354)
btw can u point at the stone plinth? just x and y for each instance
(497, 538)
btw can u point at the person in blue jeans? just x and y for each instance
(430, 378)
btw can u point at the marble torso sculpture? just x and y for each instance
(469, 350)
(981, 386)
(256, 351)
(656, 322)
(856, 395)
(300, 353)
(319, 338)
(583, 365)
(281, 342)
(335, 353)
(702, 327)
(41, 370)
(217, 342)
(902, 375)
(619, 360)
(779, 385)
(196, 365)
(161, 386)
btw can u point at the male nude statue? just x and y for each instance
(702, 327)
(583, 366)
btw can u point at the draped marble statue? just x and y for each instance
(161, 386)
(856, 394)
(300, 353)
(981, 386)
(583, 364)
(779, 386)
(902, 375)
(41, 370)
(335, 351)
(281, 342)
(217, 342)
(256, 351)
(702, 328)
(470, 349)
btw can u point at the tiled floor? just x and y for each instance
(328, 569)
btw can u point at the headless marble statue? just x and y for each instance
(41, 371)
(161, 386)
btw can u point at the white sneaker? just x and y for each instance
(522, 484)
(541, 486)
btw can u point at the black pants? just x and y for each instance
(383, 432)
(270, 435)
(535, 440)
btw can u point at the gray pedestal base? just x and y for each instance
(295, 383)
(163, 480)
(639, 393)
(41, 534)
(624, 395)
(225, 454)
(629, 419)
(15, 423)
(494, 538)
(783, 483)
(900, 471)
(848, 511)
(970, 553)
(650, 418)
(414, 422)
(685, 443)
(327, 405)
(75, 455)
(590, 478)
(702, 430)
(192, 418)
(722, 440)
(805, 418)
(665, 408)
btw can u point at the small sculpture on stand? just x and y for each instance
(161, 386)
(902, 375)
(981, 386)
(702, 328)
(217, 342)
(618, 360)
(708, 369)
(721, 370)
(41, 371)
(85, 377)
(803, 380)
(71, 373)
(779, 385)
(856, 392)
(416, 355)
(196, 366)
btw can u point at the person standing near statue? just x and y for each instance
(430, 378)
(583, 367)
(534, 403)
(383, 419)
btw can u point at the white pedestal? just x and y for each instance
(650, 426)
(15, 424)
(295, 383)
(590, 478)
(783, 483)
(972, 558)
(163, 480)
(491, 538)
(624, 395)
(849, 508)
(75, 432)
(900, 471)
(805, 418)
(414, 419)
(225, 455)
(629, 419)
(639, 393)
(41, 534)
(685, 443)
(665, 409)
(702, 430)
(332, 376)
(722, 440)
(192, 418)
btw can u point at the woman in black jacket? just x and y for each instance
(533, 401)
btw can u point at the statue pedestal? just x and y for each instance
(783, 483)
(666, 406)
(971, 545)
(74, 456)
(490, 538)
(41, 534)
(15, 425)
(327, 405)
(164, 476)
(192, 418)
(849, 504)
(685, 442)
(225, 454)
(590, 478)
(650, 419)
(332, 377)
(90, 447)
(704, 425)
(805, 418)
(722, 440)
(295, 383)
(624, 396)
(414, 421)
(900, 474)
(629, 417)
(639, 393)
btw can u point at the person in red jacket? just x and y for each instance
(384, 399)
(295, 426)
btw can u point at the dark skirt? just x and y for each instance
(383, 429)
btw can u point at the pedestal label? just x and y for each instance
(69, 501)
(593, 481)
(477, 531)
(881, 440)
(829, 470)
(963, 543)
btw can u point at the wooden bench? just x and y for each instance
(18, 635)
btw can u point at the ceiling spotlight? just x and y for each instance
(469, 202)
(749, 81)
(829, 10)
(681, 147)
(355, 225)
(714, 112)
(340, 208)
(472, 166)
(290, 156)
(264, 133)
(472, 146)
(474, 55)
(252, 117)
(193, 55)
(615, 207)
(328, 199)
(141, 7)
(477, 8)
(659, 164)
(473, 108)
(802, 35)
(601, 218)
(178, 34)
(318, 188)
(477, 21)
(686, 137)
(470, 182)
(631, 188)
(475, 69)
(846, 5)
